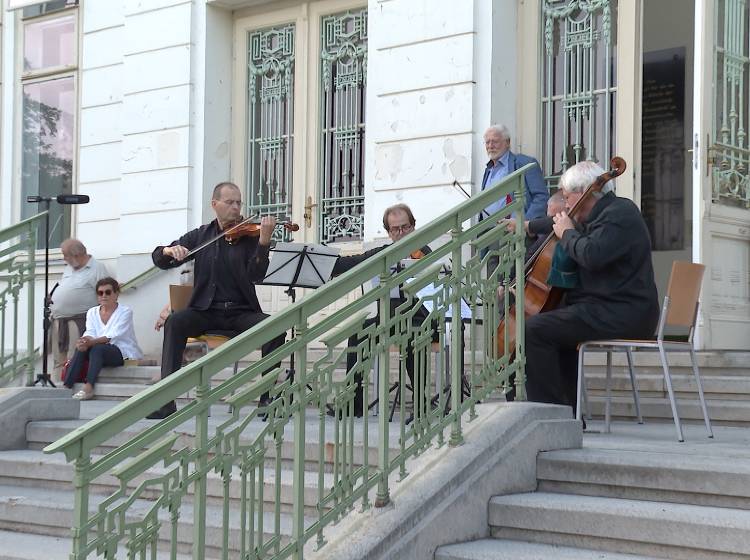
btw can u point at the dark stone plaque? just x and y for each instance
(663, 148)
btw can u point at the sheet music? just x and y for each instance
(315, 269)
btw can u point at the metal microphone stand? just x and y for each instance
(44, 378)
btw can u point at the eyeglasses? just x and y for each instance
(406, 228)
(106, 292)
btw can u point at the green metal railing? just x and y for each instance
(17, 262)
(234, 486)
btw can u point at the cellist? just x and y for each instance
(614, 295)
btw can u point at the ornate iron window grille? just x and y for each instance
(578, 83)
(343, 65)
(270, 123)
(731, 156)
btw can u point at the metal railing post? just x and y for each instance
(80, 507)
(456, 339)
(201, 465)
(520, 249)
(298, 480)
(383, 497)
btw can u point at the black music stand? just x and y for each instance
(299, 265)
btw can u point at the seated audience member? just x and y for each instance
(71, 298)
(108, 341)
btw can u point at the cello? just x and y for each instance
(538, 295)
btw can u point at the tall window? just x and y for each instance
(270, 126)
(48, 88)
(343, 66)
(731, 126)
(578, 83)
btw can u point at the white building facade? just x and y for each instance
(329, 111)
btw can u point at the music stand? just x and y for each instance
(299, 265)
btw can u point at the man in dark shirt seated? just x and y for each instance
(615, 295)
(398, 221)
(223, 295)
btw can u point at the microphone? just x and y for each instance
(72, 198)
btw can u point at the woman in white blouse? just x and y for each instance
(108, 341)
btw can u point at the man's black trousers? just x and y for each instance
(192, 323)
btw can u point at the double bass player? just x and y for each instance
(615, 295)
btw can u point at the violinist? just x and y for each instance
(398, 221)
(614, 295)
(223, 295)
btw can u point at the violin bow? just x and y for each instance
(216, 238)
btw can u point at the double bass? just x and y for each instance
(538, 295)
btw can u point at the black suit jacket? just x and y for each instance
(246, 258)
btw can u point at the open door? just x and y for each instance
(721, 178)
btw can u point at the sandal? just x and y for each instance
(83, 395)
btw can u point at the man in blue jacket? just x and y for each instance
(503, 162)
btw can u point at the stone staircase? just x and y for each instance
(36, 493)
(633, 494)
(726, 383)
(619, 496)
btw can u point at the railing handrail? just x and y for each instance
(139, 278)
(11, 231)
(98, 430)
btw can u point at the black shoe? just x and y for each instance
(166, 410)
(263, 406)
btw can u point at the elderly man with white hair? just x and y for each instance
(614, 296)
(503, 162)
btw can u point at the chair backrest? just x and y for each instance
(179, 296)
(683, 291)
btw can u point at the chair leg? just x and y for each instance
(633, 386)
(670, 391)
(585, 399)
(608, 389)
(698, 382)
(581, 389)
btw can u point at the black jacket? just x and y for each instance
(245, 258)
(617, 295)
(344, 264)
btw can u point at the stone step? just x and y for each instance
(504, 549)
(709, 359)
(687, 478)
(29, 468)
(49, 512)
(722, 412)
(714, 387)
(27, 546)
(675, 531)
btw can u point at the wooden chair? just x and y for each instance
(680, 309)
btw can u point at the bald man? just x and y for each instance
(74, 294)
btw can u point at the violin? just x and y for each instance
(247, 228)
(416, 255)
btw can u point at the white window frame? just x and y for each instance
(37, 76)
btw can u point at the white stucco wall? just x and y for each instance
(433, 85)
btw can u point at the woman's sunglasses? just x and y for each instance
(106, 292)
